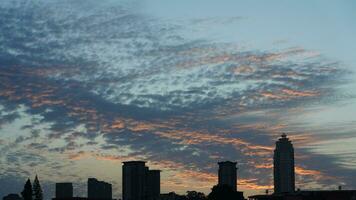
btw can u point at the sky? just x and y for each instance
(86, 85)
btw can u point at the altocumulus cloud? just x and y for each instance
(101, 80)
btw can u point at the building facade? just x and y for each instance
(134, 180)
(139, 182)
(99, 189)
(153, 184)
(64, 190)
(228, 174)
(283, 166)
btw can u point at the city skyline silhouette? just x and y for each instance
(139, 182)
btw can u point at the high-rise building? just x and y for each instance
(134, 180)
(99, 189)
(139, 182)
(153, 184)
(283, 160)
(227, 174)
(64, 190)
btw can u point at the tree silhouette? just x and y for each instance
(37, 190)
(224, 192)
(194, 195)
(27, 190)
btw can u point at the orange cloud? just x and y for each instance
(167, 165)
(270, 95)
(300, 93)
(287, 94)
(205, 178)
(145, 126)
(306, 172)
(251, 184)
(264, 166)
(195, 137)
(99, 156)
(118, 124)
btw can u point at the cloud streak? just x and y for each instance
(108, 79)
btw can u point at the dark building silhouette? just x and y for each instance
(153, 184)
(64, 190)
(227, 174)
(310, 195)
(283, 168)
(134, 180)
(12, 197)
(99, 189)
(138, 182)
(72, 198)
(225, 192)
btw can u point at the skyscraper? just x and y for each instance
(99, 189)
(134, 180)
(64, 190)
(283, 160)
(139, 182)
(227, 174)
(153, 184)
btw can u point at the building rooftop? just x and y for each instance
(137, 162)
(227, 162)
(284, 138)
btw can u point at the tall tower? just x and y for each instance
(227, 174)
(134, 180)
(153, 184)
(283, 168)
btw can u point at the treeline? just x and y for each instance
(218, 192)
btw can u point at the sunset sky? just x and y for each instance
(181, 84)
